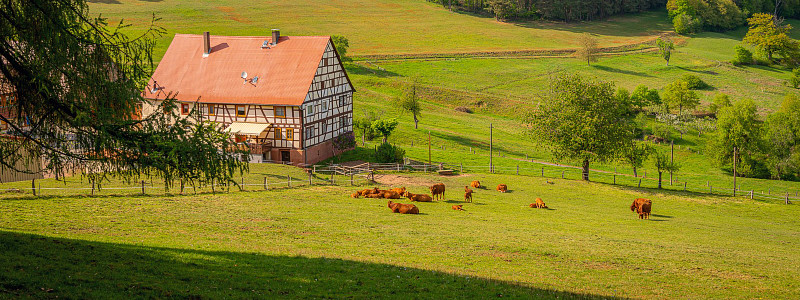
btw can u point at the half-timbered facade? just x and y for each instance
(288, 99)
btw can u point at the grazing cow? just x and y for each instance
(467, 194)
(403, 208)
(418, 197)
(476, 184)
(437, 190)
(458, 207)
(642, 207)
(390, 194)
(539, 204)
(399, 191)
(502, 188)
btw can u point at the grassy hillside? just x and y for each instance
(415, 26)
(318, 242)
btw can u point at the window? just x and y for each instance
(241, 111)
(323, 84)
(309, 110)
(342, 122)
(289, 134)
(278, 134)
(325, 126)
(342, 101)
(185, 108)
(280, 112)
(324, 106)
(309, 132)
(212, 110)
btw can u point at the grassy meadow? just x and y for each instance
(318, 242)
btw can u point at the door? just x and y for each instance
(285, 156)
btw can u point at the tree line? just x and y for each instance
(562, 10)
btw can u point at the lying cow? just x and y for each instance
(642, 207)
(467, 194)
(437, 190)
(458, 207)
(403, 208)
(502, 188)
(476, 184)
(539, 204)
(366, 193)
(418, 197)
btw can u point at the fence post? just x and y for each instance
(562, 174)
(769, 192)
(684, 186)
(645, 173)
(92, 188)
(265, 183)
(462, 167)
(351, 178)
(542, 171)
(710, 189)
(787, 198)
(333, 178)
(751, 195)
(310, 181)
(241, 187)
(212, 182)
(640, 182)
(289, 180)
(181, 186)
(526, 156)
(33, 186)
(615, 178)
(517, 169)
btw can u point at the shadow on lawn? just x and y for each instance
(45, 267)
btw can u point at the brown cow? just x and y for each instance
(642, 207)
(502, 188)
(467, 194)
(539, 204)
(355, 195)
(399, 191)
(458, 207)
(437, 190)
(390, 194)
(476, 184)
(403, 208)
(418, 197)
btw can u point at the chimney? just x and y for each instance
(276, 35)
(206, 44)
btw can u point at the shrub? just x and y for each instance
(464, 109)
(388, 153)
(794, 82)
(694, 82)
(743, 56)
(686, 24)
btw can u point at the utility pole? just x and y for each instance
(429, 147)
(491, 144)
(734, 171)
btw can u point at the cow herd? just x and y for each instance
(640, 206)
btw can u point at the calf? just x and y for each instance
(458, 207)
(403, 208)
(539, 204)
(476, 184)
(467, 194)
(437, 190)
(502, 188)
(642, 207)
(418, 197)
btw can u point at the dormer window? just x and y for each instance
(241, 111)
(280, 112)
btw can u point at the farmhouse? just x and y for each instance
(287, 97)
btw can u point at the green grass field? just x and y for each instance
(318, 243)
(414, 26)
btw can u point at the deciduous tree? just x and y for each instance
(409, 102)
(767, 36)
(678, 94)
(582, 119)
(665, 47)
(587, 48)
(385, 127)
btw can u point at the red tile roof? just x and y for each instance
(285, 71)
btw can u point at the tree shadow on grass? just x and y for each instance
(44, 267)
(621, 71)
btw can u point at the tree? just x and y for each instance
(385, 127)
(78, 82)
(642, 97)
(737, 127)
(678, 94)
(664, 164)
(502, 8)
(409, 102)
(720, 100)
(343, 142)
(743, 56)
(342, 44)
(587, 48)
(582, 120)
(363, 124)
(665, 47)
(635, 154)
(767, 36)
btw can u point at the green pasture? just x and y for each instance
(318, 242)
(373, 26)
